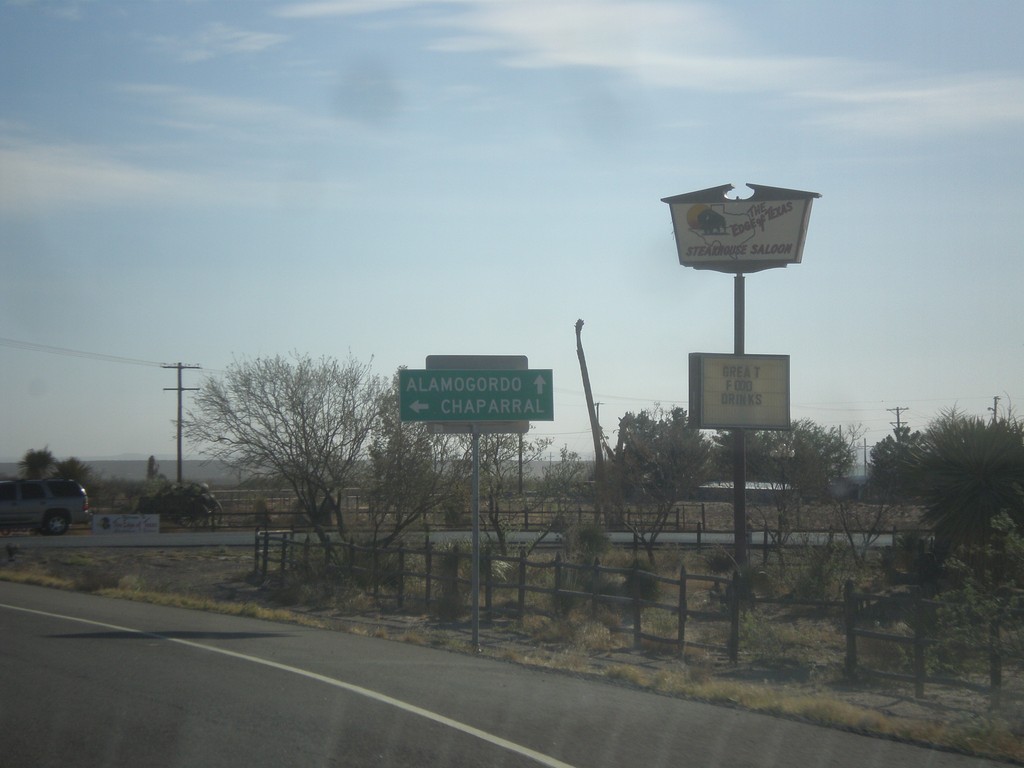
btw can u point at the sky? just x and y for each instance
(208, 183)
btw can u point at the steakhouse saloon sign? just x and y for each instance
(762, 231)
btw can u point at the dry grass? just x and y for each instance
(579, 642)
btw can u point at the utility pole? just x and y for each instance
(995, 408)
(179, 389)
(595, 427)
(898, 424)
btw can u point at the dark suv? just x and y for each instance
(48, 506)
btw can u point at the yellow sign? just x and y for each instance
(739, 391)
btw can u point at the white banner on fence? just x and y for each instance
(104, 524)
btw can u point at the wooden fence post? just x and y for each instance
(427, 563)
(682, 608)
(700, 530)
(734, 617)
(850, 620)
(637, 630)
(266, 553)
(256, 551)
(919, 641)
(522, 583)
(595, 580)
(401, 577)
(485, 566)
(375, 569)
(995, 664)
(558, 581)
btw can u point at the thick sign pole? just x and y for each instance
(739, 436)
(739, 235)
(475, 578)
(476, 394)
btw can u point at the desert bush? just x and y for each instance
(93, 580)
(718, 560)
(821, 573)
(585, 541)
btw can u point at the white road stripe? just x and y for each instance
(490, 738)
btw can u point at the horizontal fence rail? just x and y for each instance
(560, 584)
(650, 608)
(917, 630)
(687, 524)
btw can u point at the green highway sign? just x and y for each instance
(478, 395)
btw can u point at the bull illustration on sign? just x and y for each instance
(740, 234)
(710, 222)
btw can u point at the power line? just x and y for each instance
(32, 347)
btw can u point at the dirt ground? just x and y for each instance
(226, 575)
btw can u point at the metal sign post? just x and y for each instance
(739, 436)
(734, 235)
(476, 394)
(475, 575)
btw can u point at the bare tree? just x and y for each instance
(296, 419)
(658, 461)
(797, 467)
(412, 472)
(501, 458)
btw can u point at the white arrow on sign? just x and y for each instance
(539, 382)
(418, 406)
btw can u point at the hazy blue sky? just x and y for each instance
(206, 182)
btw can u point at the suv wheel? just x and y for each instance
(56, 523)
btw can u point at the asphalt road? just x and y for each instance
(90, 681)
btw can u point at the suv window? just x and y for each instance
(64, 488)
(8, 492)
(32, 491)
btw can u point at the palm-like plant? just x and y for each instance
(36, 464)
(73, 469)
(968, 471)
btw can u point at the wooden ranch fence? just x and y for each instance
(916, 617)
(430, 576)
(630, 590)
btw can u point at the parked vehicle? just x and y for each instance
(47, 506)
(188, 506)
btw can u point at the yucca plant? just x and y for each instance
(967, 471)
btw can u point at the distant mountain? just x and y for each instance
(192, 470)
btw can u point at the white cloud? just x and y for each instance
(701, 47)
(937, 105)
(46, 177)
(233, 117)
(37, 174)
(327, 8)
(217, 39)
